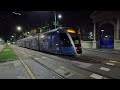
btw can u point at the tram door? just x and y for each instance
(54, 43)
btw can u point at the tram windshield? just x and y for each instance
(75, 36)
(65, 41)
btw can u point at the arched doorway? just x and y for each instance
(107, 36)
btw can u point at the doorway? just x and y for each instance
(107, 36)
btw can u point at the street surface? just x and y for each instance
(37, 65)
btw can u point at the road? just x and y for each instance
(37, 65)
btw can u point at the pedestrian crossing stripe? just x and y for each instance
(105, 69)
(112, 64)
(96, 76)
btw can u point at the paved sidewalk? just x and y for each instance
(12, 69)
(111, 51)
(7, 71)
(101, 54)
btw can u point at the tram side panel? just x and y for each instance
(48, 42)
(34, 43)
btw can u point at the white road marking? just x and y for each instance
(96, 76)
(112, 64)
(43, 57)
(105, 69)
(20, 77)
(113, 61)
(64, 71)
(36, 58)
(82, 64)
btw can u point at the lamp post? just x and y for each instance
(19, 29)
(55, 17)
(102, 31)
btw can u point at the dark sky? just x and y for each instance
(9, 21)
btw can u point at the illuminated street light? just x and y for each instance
(19, 28)
(106, 36)
(55, 16)
(28, 33)
(17, 13)
(12, 36)
(102, 31)
(59, 16)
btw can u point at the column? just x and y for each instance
(94, 31)
(117, 39)
(118, 27)
(94, 41)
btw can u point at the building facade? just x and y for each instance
(106, 30)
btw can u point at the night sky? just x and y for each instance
(33, 19)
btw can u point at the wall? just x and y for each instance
(86, 44)
(117, 44)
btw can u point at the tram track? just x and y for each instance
(62, 62)
(49, 69)
(104, 61)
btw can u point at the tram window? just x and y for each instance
(65, 40)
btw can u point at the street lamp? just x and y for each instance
(17, 13)
(59, 16)
(102, 31)
(28, 33)
(55, 18)
(12, 36)
(19, 28)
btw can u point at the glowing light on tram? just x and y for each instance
(71, 31)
